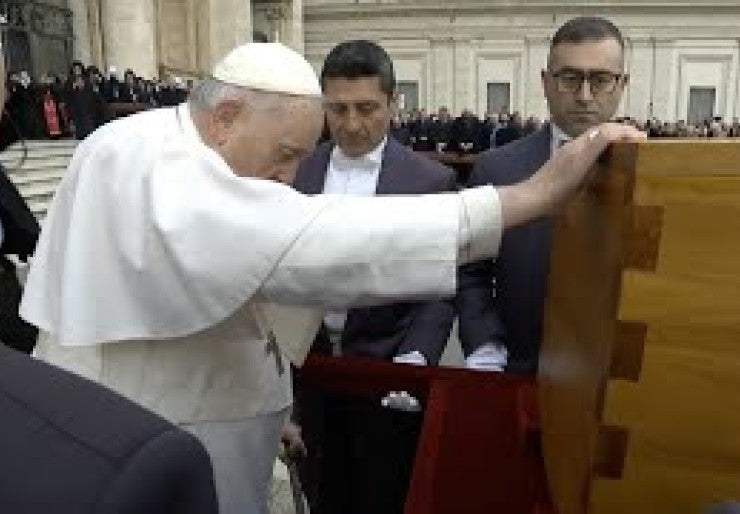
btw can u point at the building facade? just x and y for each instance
(683, 55)
(37, 37)
(155, 38)
(180, 37)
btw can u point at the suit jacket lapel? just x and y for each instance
(316, 169)
(390, 169)
(390, 173)
(544, 143)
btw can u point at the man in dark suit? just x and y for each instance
(366, 451)
(112, 87)
(19, 232)
(19, 229)
(68, 445)
(509, 132)
(583, 83)
(465, 133)
(441, 130)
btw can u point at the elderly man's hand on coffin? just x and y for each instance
(561, 176)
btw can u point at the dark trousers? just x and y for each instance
(15, 332)
(361, 454)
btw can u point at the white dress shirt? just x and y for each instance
(558, 138)
(350, 176)
(354, 176)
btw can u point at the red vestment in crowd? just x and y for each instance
(51, 115)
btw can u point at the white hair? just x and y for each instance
(210, 92)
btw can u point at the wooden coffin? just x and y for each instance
(640, 367)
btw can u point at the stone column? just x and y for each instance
(640, 66)
(665, 80)
(229, 25)
(129, 36)
(443, 74)
(294, 23)
(82, 45)
(535, 103)
(193, 22)
(464, 76)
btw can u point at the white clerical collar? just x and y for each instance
(186, 123)
(190, 131)
(372, 159)
(559, 137)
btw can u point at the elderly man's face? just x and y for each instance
(269, 143)
(358, 113)
(584, 83)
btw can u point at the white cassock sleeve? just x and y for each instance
(365, 251)
(152, 236)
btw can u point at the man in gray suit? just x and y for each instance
(583, 83)
(365, 451)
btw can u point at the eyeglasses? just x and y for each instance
(600, 82)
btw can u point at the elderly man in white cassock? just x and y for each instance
(175, 261)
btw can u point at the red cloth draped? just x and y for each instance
(51, 115)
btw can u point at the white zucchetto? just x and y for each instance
(268, 67)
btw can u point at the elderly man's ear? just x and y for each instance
(226, 113)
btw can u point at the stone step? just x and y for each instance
(40, 207)
(39, 190)
(40, 148)
(31, 165)
(40, 175)
(18, 156)
(36, 167)
(44, 144)
(15, 159)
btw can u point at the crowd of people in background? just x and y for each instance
(53, 107)
(469, 134)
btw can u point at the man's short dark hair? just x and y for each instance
(587, 29)
(360, 58)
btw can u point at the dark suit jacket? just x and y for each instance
(506, 135)
(514, 315)
(130, 93)
(20, 228)
(69, 446)
(20, 233)
(421, 135)
(465, 130)
(386, 331)
(112, 90)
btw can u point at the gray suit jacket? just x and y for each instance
(390, 330)
(513, 316)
